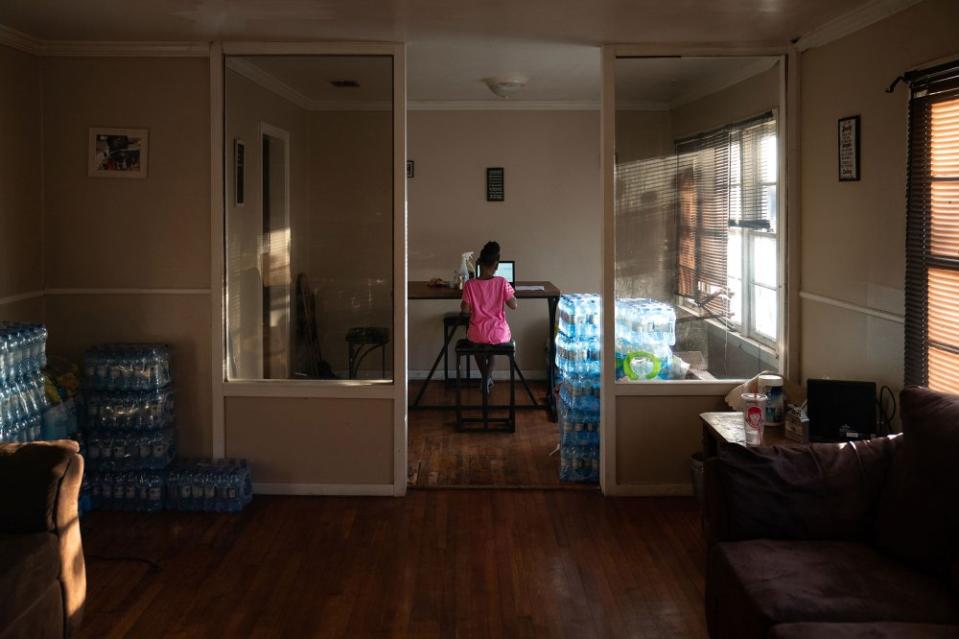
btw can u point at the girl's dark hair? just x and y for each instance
(490, 254)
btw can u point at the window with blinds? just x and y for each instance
(727, 244)
(932, 230)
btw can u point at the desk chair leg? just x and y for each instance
(351, 365)
(383, 359)
(512, 394)
(459, 404)
(485, 397)
(446, 353)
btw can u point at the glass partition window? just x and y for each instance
(698, 291)
(309, 217)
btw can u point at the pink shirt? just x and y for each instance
(487, 317)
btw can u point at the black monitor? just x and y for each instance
(506, 268)
(840, 410)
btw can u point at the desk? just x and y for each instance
(419, 290)
(727, 427)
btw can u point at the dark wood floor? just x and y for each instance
(436, 563)
(440, 456)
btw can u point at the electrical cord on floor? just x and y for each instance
(886, 417)
(152, 565)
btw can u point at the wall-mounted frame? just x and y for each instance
(117, 153)
(239, 172)
(848, 144)
(495, 184)
(410, 169)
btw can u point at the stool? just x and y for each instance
(466, 348)
(363, 340)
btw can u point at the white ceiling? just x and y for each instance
(453, 44)
(560, 21)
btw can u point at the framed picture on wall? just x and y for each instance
(849, 149)
(118, 153)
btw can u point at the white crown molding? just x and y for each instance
(502, 105)
(271, 83)
(65, 48)
(642, 105)
(21, 297)
(849, 23)
(20, 41)
(82, 49)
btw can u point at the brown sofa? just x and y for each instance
(42, 574)
(838, 540)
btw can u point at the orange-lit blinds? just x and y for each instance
(932, 232)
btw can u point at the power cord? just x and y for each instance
(886, 417)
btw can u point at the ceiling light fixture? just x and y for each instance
(505, 86)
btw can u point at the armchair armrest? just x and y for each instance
(816, 491)
(39, 492)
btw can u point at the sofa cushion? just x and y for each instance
(874, 630)
(819, 491)
(30, 477)
(918, 520)
(754, 585)
(28, 565)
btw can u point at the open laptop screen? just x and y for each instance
(507, 269)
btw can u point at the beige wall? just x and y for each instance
(132, 233)
(655, 437)
(549, 222)
(853, 232)
(21, 219)
(313, 441)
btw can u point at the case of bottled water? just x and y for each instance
(134, 490)
(130, 410)
(214, 486)
(127, 367)
(645, 333)
(126, 450)
(23, 353)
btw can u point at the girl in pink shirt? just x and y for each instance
(484, 297)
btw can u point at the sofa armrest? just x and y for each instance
(816, 491)
(39, 492)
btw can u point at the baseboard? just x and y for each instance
(650, 490)
(500, 375)
(343, 490)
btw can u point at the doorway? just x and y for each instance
(520, 170)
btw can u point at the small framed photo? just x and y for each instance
(118, 153)
(849, 170)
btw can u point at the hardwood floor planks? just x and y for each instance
(438, 563)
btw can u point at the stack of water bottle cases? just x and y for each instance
(129, 439)
(23, 353)
(645, 333)
(578, 344)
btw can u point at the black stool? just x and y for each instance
(466, 348)
(363, 340)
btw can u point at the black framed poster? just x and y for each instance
(849, 149)
(495, 184)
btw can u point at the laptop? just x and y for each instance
(507, 269)
(840, 410)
